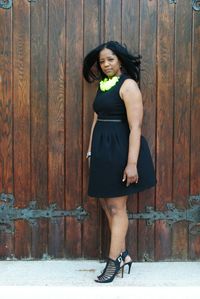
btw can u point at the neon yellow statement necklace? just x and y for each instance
(107, 84)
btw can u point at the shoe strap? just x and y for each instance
(124, 254)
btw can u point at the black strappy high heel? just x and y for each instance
(121, 268)
(124, 255)
(102, 273)
(111, 270)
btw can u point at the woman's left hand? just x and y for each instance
(130, 174)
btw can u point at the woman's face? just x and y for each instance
(109, 63)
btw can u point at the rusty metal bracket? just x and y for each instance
(6, 4)
(9, 213)
(172, 215)
(196, 5)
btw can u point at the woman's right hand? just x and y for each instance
(88, 156)
(130, 174)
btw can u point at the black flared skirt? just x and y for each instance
(110, 143)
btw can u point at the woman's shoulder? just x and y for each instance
(129, 85)
(129, 82)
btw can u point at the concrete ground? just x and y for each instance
(75, 279)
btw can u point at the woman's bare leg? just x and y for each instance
(106, 210)
(119, 224)
(104, 206)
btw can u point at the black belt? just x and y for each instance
(113, 120)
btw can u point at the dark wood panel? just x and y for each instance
(21, 128)
(194, 240)
(56, 122)
(148, 25)
(73, 120)
(112, 17)
(6, 148)
(39, 120)
(182, 83)
(164, 160)
(130, 37)
(91, 227)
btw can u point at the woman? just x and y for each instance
(120, 160)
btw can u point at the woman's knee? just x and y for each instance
(116, 209)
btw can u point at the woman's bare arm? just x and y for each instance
(132, 98)
(91, 132)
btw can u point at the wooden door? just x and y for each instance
(46, 114)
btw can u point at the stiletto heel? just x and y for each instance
(124, 255)
(122, 267)
(129, 266)
(111, 270)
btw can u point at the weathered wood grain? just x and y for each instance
(148, 25)
(182, 85)
(165, 104)
(112, 20)
(194, 240)
(39, 121)
(6, 121)
(73, 123)
(21, 123)
(56, 123)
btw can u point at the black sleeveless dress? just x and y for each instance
(109, 150)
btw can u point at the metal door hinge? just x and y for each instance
(196, 5)
(6, 4)
(9, 213)
(172, 215)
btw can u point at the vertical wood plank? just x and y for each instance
(148, 25)
(182, 124)
(73, 120)
(164, 163)
(56, 113)
(21, 137)
(91, 227)
(130, 37)
(39, 120)
(194, 240)
(6, 147)
(112, 29)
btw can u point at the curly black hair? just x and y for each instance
(130, 63)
